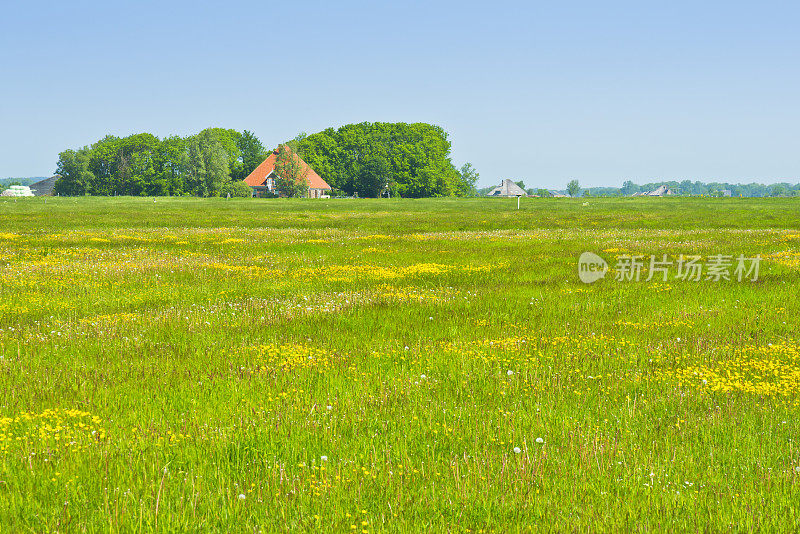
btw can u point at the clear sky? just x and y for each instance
(536, 91)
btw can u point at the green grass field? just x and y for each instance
(394, 366)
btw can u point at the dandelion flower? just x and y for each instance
(241, 497)
(539, 440)
(517, 450)
(510, 372)
(324, 458)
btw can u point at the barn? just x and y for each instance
(44, 188)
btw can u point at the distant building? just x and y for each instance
(44, 188)
(17, 191)
(662, 191)
(262, 180)
(556, 194)
(726, 192)
(507, 189)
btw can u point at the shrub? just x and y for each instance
(237, 189)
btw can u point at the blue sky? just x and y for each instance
(536, 91)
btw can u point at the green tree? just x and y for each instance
(417, 156)
(292, 180)
(73, 167)
(374, 176)
(573, 188)
(468, 178)
(172, 164)
(296, 145)
(207, 164)
(629, 188)
(252, 153)
(229, 140)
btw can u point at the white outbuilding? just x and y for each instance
(17, 191)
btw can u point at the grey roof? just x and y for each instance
(660, 192)
(507, 189)
(45, 187)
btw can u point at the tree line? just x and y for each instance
(685, 188)
(697, 188)
(367, 159)
(374, 159)
(210, 163)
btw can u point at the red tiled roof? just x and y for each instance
(259, 176)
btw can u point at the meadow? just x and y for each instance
(209, 365)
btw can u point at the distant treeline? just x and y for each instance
(687, 187)
(368, 159)
(8, 182)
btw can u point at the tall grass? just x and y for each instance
(368, 366)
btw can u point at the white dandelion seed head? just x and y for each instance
(539, 440)
(510, 372)
(323, 458)
(242, 497)
(517, 450)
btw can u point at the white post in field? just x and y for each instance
(518, 201)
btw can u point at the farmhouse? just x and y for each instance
(262, 179)
(507, 189)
